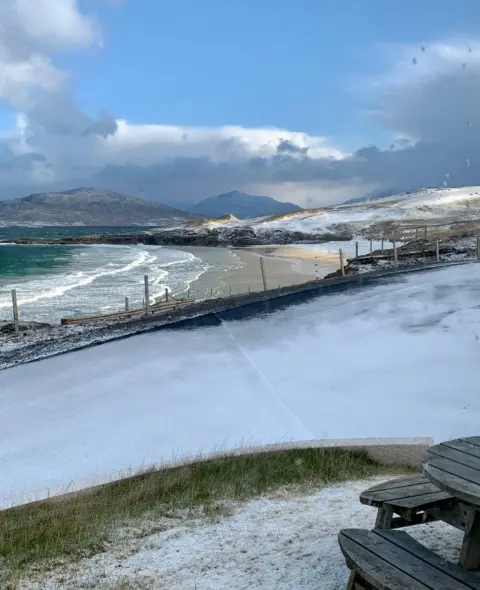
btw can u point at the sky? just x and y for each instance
(311, 102)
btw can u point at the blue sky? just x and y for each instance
(255, 63)
(179, 100)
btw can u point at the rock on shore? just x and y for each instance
(237, 236)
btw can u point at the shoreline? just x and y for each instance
(284, 266)
(284, 269)
(58, 340)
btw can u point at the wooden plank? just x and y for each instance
(474, 440)
(463, 445)
(406, 542)
(376, 571)
(158, 307)
(398, 482)
(455, 455)
(457, 486)
(470, 474)
(424, 501)
(390, 496)
(382, 562)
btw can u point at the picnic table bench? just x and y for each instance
(412, 498)
(448, 490)
(393, 560)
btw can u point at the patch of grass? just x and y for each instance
(83, 523)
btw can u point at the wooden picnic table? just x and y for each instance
(454, 468)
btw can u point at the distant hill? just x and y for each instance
(242, 205)
(87, 206)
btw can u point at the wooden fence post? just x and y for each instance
(478, 248)
(416, 233)
(166, 295)
(188, 293)
(437, 248)
(382, 244)
(342, 267)
(126, 303)
(230, 290)
(395, 257)
(425, 232)
(264, 277)
(147, 295)
(356, 249)
(16, 324)
(371, 247)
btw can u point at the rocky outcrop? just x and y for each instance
(237, 236)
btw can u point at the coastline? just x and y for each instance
(284, 266)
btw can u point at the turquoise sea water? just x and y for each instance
(55, 281)
(36, 260)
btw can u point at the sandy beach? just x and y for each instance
(284, 265)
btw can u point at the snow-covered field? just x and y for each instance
(285, 543)
(399, 359)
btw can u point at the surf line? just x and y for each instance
(267, 383)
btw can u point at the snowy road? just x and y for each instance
(400, 359)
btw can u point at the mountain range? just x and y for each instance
(99, 207)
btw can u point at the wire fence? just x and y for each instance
(144, 295)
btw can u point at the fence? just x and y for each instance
(261, 273)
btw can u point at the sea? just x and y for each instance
(56, 281)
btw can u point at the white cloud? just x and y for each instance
(427, 100)
(30, 31)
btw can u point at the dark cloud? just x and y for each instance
(288, 147)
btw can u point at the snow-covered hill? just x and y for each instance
(427, 205)
(455, 209)
(433, 207)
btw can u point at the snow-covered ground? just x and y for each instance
(283, 543)
(397, 359)
(441, 206)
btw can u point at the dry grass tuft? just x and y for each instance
(83, 524)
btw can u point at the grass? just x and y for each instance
(84, 523)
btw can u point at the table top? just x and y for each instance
(454, 467)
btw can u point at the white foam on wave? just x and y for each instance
(80, 280)
(98, 279)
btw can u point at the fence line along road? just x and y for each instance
(145, 304)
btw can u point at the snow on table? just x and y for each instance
(397, 359)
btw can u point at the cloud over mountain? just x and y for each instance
(426, 99)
